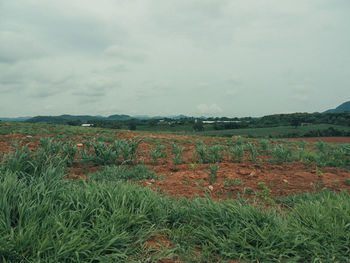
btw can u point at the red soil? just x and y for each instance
(193, 180)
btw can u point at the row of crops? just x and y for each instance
(46, 219)
(129, 152)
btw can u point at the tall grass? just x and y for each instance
(52, 220)
(47, 219)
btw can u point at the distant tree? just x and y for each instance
(132, 125)
(74, 123)
(198, 126)
(296, 122)
(152, 122)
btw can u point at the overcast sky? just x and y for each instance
(194, 57)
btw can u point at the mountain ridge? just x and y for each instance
(344, 107)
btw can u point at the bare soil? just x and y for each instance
(191, 180)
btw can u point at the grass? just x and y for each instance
(116, 173)
(268, 132)
(52, 220)
(233, 183)
(273, 132)
(109, 218)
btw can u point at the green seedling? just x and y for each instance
(237, 153)
(177, 151)
(253, 151)
(264, 193)
(232, 183)
(213, 169)
(192, 166)
(347, 181)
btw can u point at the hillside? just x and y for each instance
(14, 118)
(69, 118)
(345, 107)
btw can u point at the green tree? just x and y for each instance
(198, 125)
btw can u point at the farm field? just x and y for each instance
(279, 131)
(264, 132)
(73, 194)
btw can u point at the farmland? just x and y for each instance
(74, 194)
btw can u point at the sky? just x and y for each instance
(229, 58)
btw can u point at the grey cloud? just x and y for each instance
(155, 90)
(51, 23)
(124, 54)
(16, 46)
(45, 93)
(150, 57)
(89, 93)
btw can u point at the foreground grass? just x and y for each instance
(47, 219)
(109, 219)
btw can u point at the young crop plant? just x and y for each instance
(264, 146)
(237, 153)
(50, 146)
(99, 153)
(264, 193)
(192, 166)
(129, 150)
(201, 153)
(209, 154)
(69, 150)
(157, 153)
(319, 172)
(237, 140)
(232, 183)
(177, 151)
(281, 154)
(215, 153)
(302, 144)
(19, 161)
(213, 170)
(336, 156)
(161, 147)
(347, 181)
(321, 146)
(27, 163)
(253, 151)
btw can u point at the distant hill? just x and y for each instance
(85, 118)
(62, 118)
(71, 118)
(14, 119)
(345, 107)
(119, 117)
